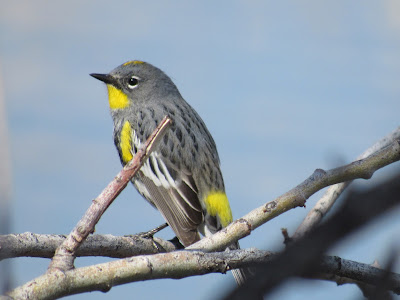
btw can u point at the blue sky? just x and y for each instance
(284, 87)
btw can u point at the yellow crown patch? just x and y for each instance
(133, 62)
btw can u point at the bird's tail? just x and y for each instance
(240, 276)
(243, 274)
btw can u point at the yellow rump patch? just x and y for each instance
(116, 98)
(217, 204)
(125, 143)
(135, 62)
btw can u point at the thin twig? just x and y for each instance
(65, 254)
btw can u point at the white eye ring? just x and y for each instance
(133, 82)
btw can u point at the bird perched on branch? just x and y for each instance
(182, 176)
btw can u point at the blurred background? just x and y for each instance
(285, 87)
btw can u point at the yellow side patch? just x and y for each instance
(135, 62)
(125, 143)
(116, 98)
(217, 204)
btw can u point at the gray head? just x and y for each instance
(135, 83)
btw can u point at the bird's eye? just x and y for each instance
(133, 82)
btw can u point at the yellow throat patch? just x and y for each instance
(217, 204)
(125, 143)
(117, 98)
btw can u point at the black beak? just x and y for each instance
(106, 78)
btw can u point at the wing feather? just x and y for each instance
(174, 195)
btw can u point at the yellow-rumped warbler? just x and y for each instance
(181, 177)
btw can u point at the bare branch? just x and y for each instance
(357, 272)
(297, 197)
(302, 256)
(342, 271)
(177, 265)
(65, 254)
(334, 268)
(173, 265)
(44, 245)
(332, 193)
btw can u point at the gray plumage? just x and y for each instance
(184, 168)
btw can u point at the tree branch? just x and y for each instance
(28, 244)
(51, 284)
(333, 192)
(44, 245)
(297, 196)
(302, 256)
(178, 265)
(65, 254)
(102, 277)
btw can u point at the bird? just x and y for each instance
(181, 178)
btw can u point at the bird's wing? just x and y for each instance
(174, 194)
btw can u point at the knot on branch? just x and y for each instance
(270, 206)
(318, 173)
(247, 223)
